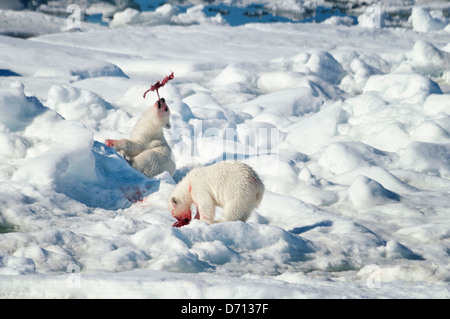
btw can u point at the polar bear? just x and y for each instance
(147, 150)
(232, 185)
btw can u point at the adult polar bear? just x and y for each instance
(232, 185)
(147, 150)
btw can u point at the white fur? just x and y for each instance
(231, 185)
(147, 149)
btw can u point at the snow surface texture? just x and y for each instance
(347, 126)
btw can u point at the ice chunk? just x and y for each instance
(373, 17)
(130, 16)
(325, 66)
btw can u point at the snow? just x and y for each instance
(423, 21)
(347, 125)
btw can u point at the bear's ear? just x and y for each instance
(174, 201)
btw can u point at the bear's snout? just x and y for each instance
(182, 216)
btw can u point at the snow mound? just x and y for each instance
(423, 22)
(428, 60)
(339, 157)
(395, 250)
(78, 105)
(320, 64)
(427, 157)
(47, 61)
(409, 88)
(50, 150)
(18, 110)
(365, 192)
(437, 104)
(198, 248)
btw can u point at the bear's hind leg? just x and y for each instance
(235, 212)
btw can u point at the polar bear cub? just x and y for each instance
(232, 185)
(147, 150)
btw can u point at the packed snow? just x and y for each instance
(347, 125)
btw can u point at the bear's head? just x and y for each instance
(162, 112)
